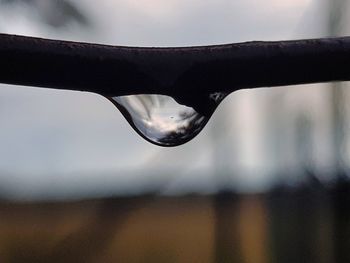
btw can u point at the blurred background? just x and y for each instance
(265, 181)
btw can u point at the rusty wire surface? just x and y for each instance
(184, 73)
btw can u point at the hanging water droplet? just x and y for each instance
(162, 120)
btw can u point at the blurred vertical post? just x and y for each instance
(225, 202)
(340, 199)
(337, 12)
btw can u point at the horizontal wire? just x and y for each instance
(184, 73)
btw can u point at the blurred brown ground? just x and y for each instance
(296, 227)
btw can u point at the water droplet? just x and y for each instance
(161, 120)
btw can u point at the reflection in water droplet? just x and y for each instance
(160, 119)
